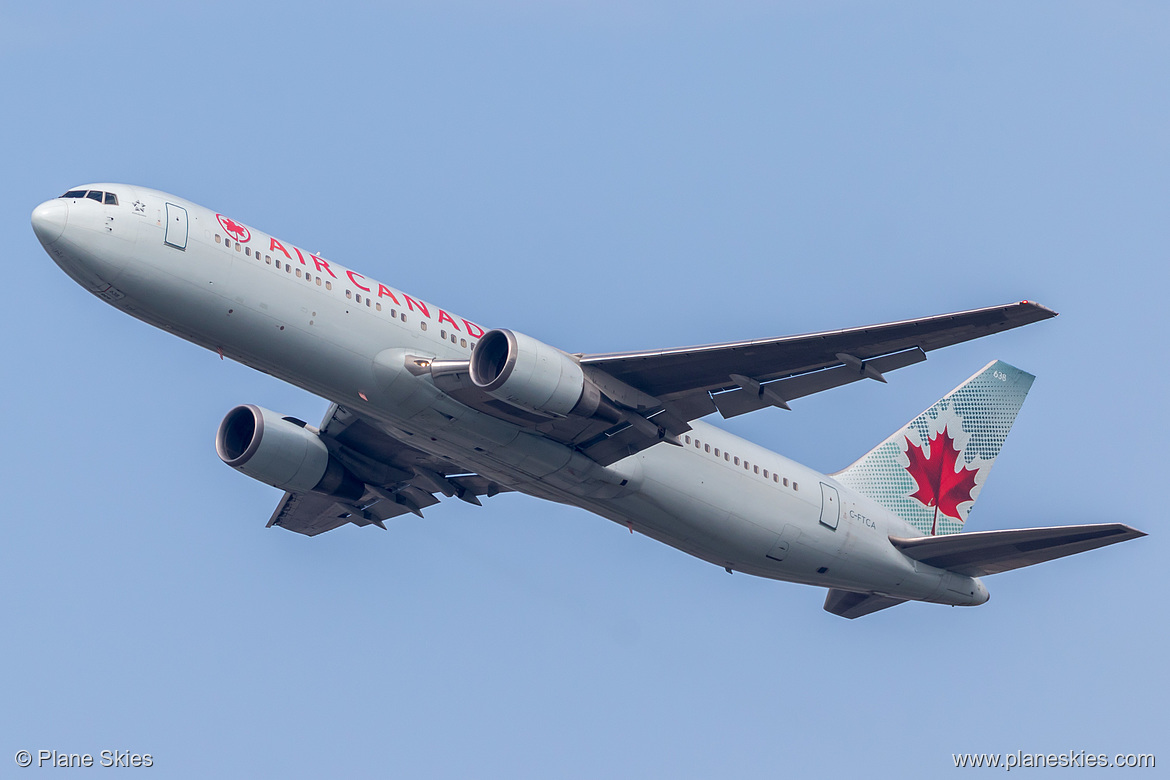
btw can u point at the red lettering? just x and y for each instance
(411, 303)
(384, 292)
(299, 256)
(322, 265)
(273, 245)
(471, 328)
(444, 316)
(352, 278)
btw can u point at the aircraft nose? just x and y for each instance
(48, 220)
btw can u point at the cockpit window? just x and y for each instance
(108, 198)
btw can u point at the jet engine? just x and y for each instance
(282, 452)
(534, 376)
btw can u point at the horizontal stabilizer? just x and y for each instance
(851, 605)
(979, 553)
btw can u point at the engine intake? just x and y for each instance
(280, 451)
(532, 375)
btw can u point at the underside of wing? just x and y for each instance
(738, 377)
(980, 553)
(398, 478)
(634, 400)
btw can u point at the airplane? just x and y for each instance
(425, 404)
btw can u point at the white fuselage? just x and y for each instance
(344, 336)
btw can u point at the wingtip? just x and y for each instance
(1041, 307)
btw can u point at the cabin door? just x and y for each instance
(176, 227)
(830, 506)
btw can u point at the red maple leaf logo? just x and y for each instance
(939, 484)
(235, 229)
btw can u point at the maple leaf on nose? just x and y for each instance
(940, 485)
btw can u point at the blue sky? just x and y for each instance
(602, 176)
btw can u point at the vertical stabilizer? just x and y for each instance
(931, 472)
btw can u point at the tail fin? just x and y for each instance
(930, 472)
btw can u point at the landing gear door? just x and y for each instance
(830, 506)
(176, 226)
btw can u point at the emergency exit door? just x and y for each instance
(176, 227)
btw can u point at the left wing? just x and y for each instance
(398, 477)
(654, 394)
(743, 376)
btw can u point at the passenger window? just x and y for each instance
(358, 298)
(349, 293)
(473, 345)
(463, 342)
(688, 439)
(217, 239)
(268, 259)
(443, 335)
(369, 300)
(288, 269)
(775, 477)
(328, 285)
(765, 473)
(111, 199)
(716, 452)
(94, 195)
(318, 281)
(237, 246)
(454, 339)
(757, 470)
(706, 447)
(298, 273)
(737, 460)
(248, 251)
(786, 482)
(394, 314)
(795, 486)
(402, 317)
(422, 324)
(727, 456)
(278, 265)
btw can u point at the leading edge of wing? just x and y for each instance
(1017, 314)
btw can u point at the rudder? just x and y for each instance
(932, 470)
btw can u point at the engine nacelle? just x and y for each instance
(281, 452)
(532, 375)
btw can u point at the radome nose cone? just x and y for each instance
(48, 220)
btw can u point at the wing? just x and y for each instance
(658, 392)
(398, 477)
(743, 376)
(980, 553)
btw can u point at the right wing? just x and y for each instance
(398, 477)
